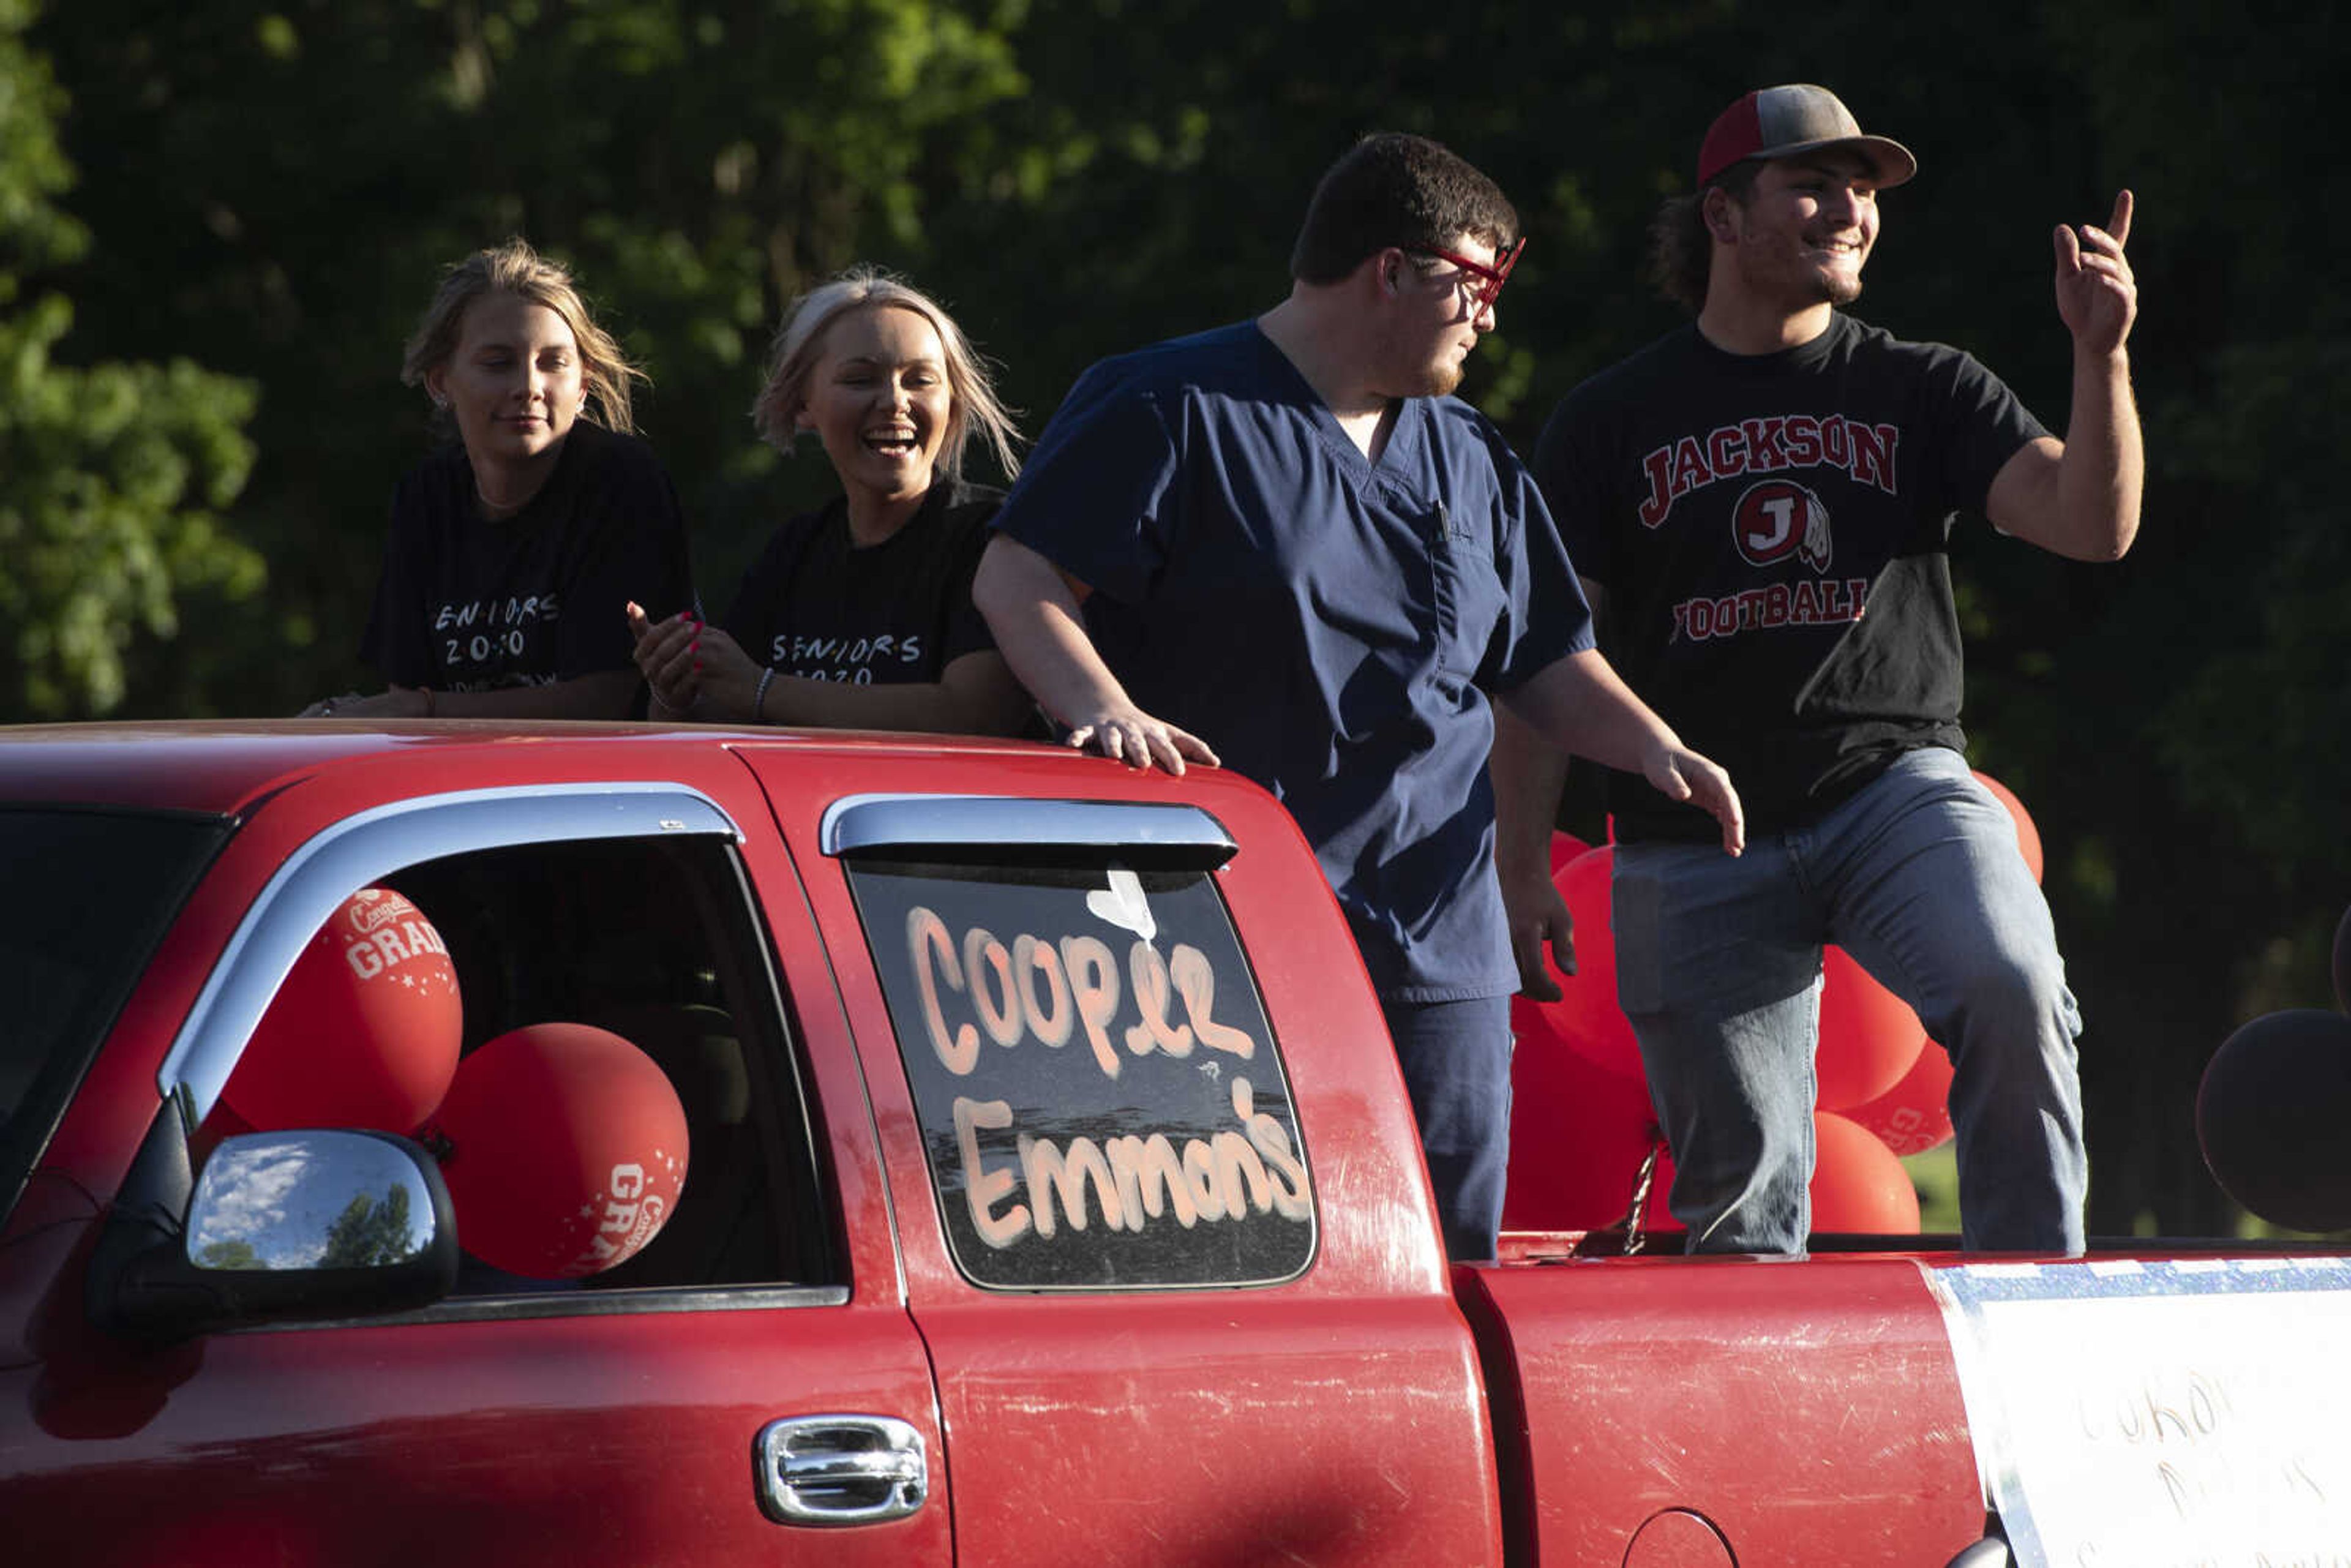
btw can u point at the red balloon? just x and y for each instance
(1566, 847)
(365, 1030)
(1869, 1036)
(566, 1150)
(1587, 1016)
(1915, 1116)
(1578, 1136)
(1858, 1185)
(2028, 837)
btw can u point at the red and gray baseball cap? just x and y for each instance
(1781, 121)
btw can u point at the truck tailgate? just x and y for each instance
(1803, 1412)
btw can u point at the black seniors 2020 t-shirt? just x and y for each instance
(467, 603)
(817, 605)
(1774, 531)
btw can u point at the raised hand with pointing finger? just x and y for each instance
(2098, 297)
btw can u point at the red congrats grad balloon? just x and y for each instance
(1566, 847)
(2028, 837)
(1587, 1016)
(566, 1150)
(1578, 1136)
(1869, 1036)
(364, 1032)
(1858, 1185)
(1915, 1116)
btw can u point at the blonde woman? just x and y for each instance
(515, 548)
(858, 614)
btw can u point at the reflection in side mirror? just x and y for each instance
(281, 1226)
(282, 1202)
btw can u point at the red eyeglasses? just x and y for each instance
(1488, 287)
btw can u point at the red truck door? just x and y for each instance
(746, 1388)
(1166, 1234)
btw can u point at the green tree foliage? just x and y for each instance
(370, 1234)
(236, 1254)
(696, 163)
(275, 184)
(112, 475)
(2221, 698)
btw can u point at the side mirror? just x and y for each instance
(296, 1225)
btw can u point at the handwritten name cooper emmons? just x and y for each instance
(1052, 993)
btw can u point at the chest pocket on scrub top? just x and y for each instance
(1468, 595)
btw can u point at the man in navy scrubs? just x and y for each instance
(1285, 537)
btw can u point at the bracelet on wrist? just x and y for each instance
(759, 695)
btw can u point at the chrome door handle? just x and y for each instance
(841, 1470)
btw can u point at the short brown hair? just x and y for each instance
(514, 268)
(1400, 190)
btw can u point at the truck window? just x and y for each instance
(1102, 1102)
(655, 941)
(89, 895)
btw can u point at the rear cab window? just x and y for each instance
(1104, 1102)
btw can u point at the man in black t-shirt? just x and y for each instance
(1761, 506)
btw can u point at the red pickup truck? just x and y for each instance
(1048, 1195)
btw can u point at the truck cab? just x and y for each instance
(889, 1318)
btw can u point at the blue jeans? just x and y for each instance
(1918, 878)
(1456, 1058)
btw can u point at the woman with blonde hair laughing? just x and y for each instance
(859, 614)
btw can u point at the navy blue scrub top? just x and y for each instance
(1326, 623)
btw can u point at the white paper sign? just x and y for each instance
(2187, 1414)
